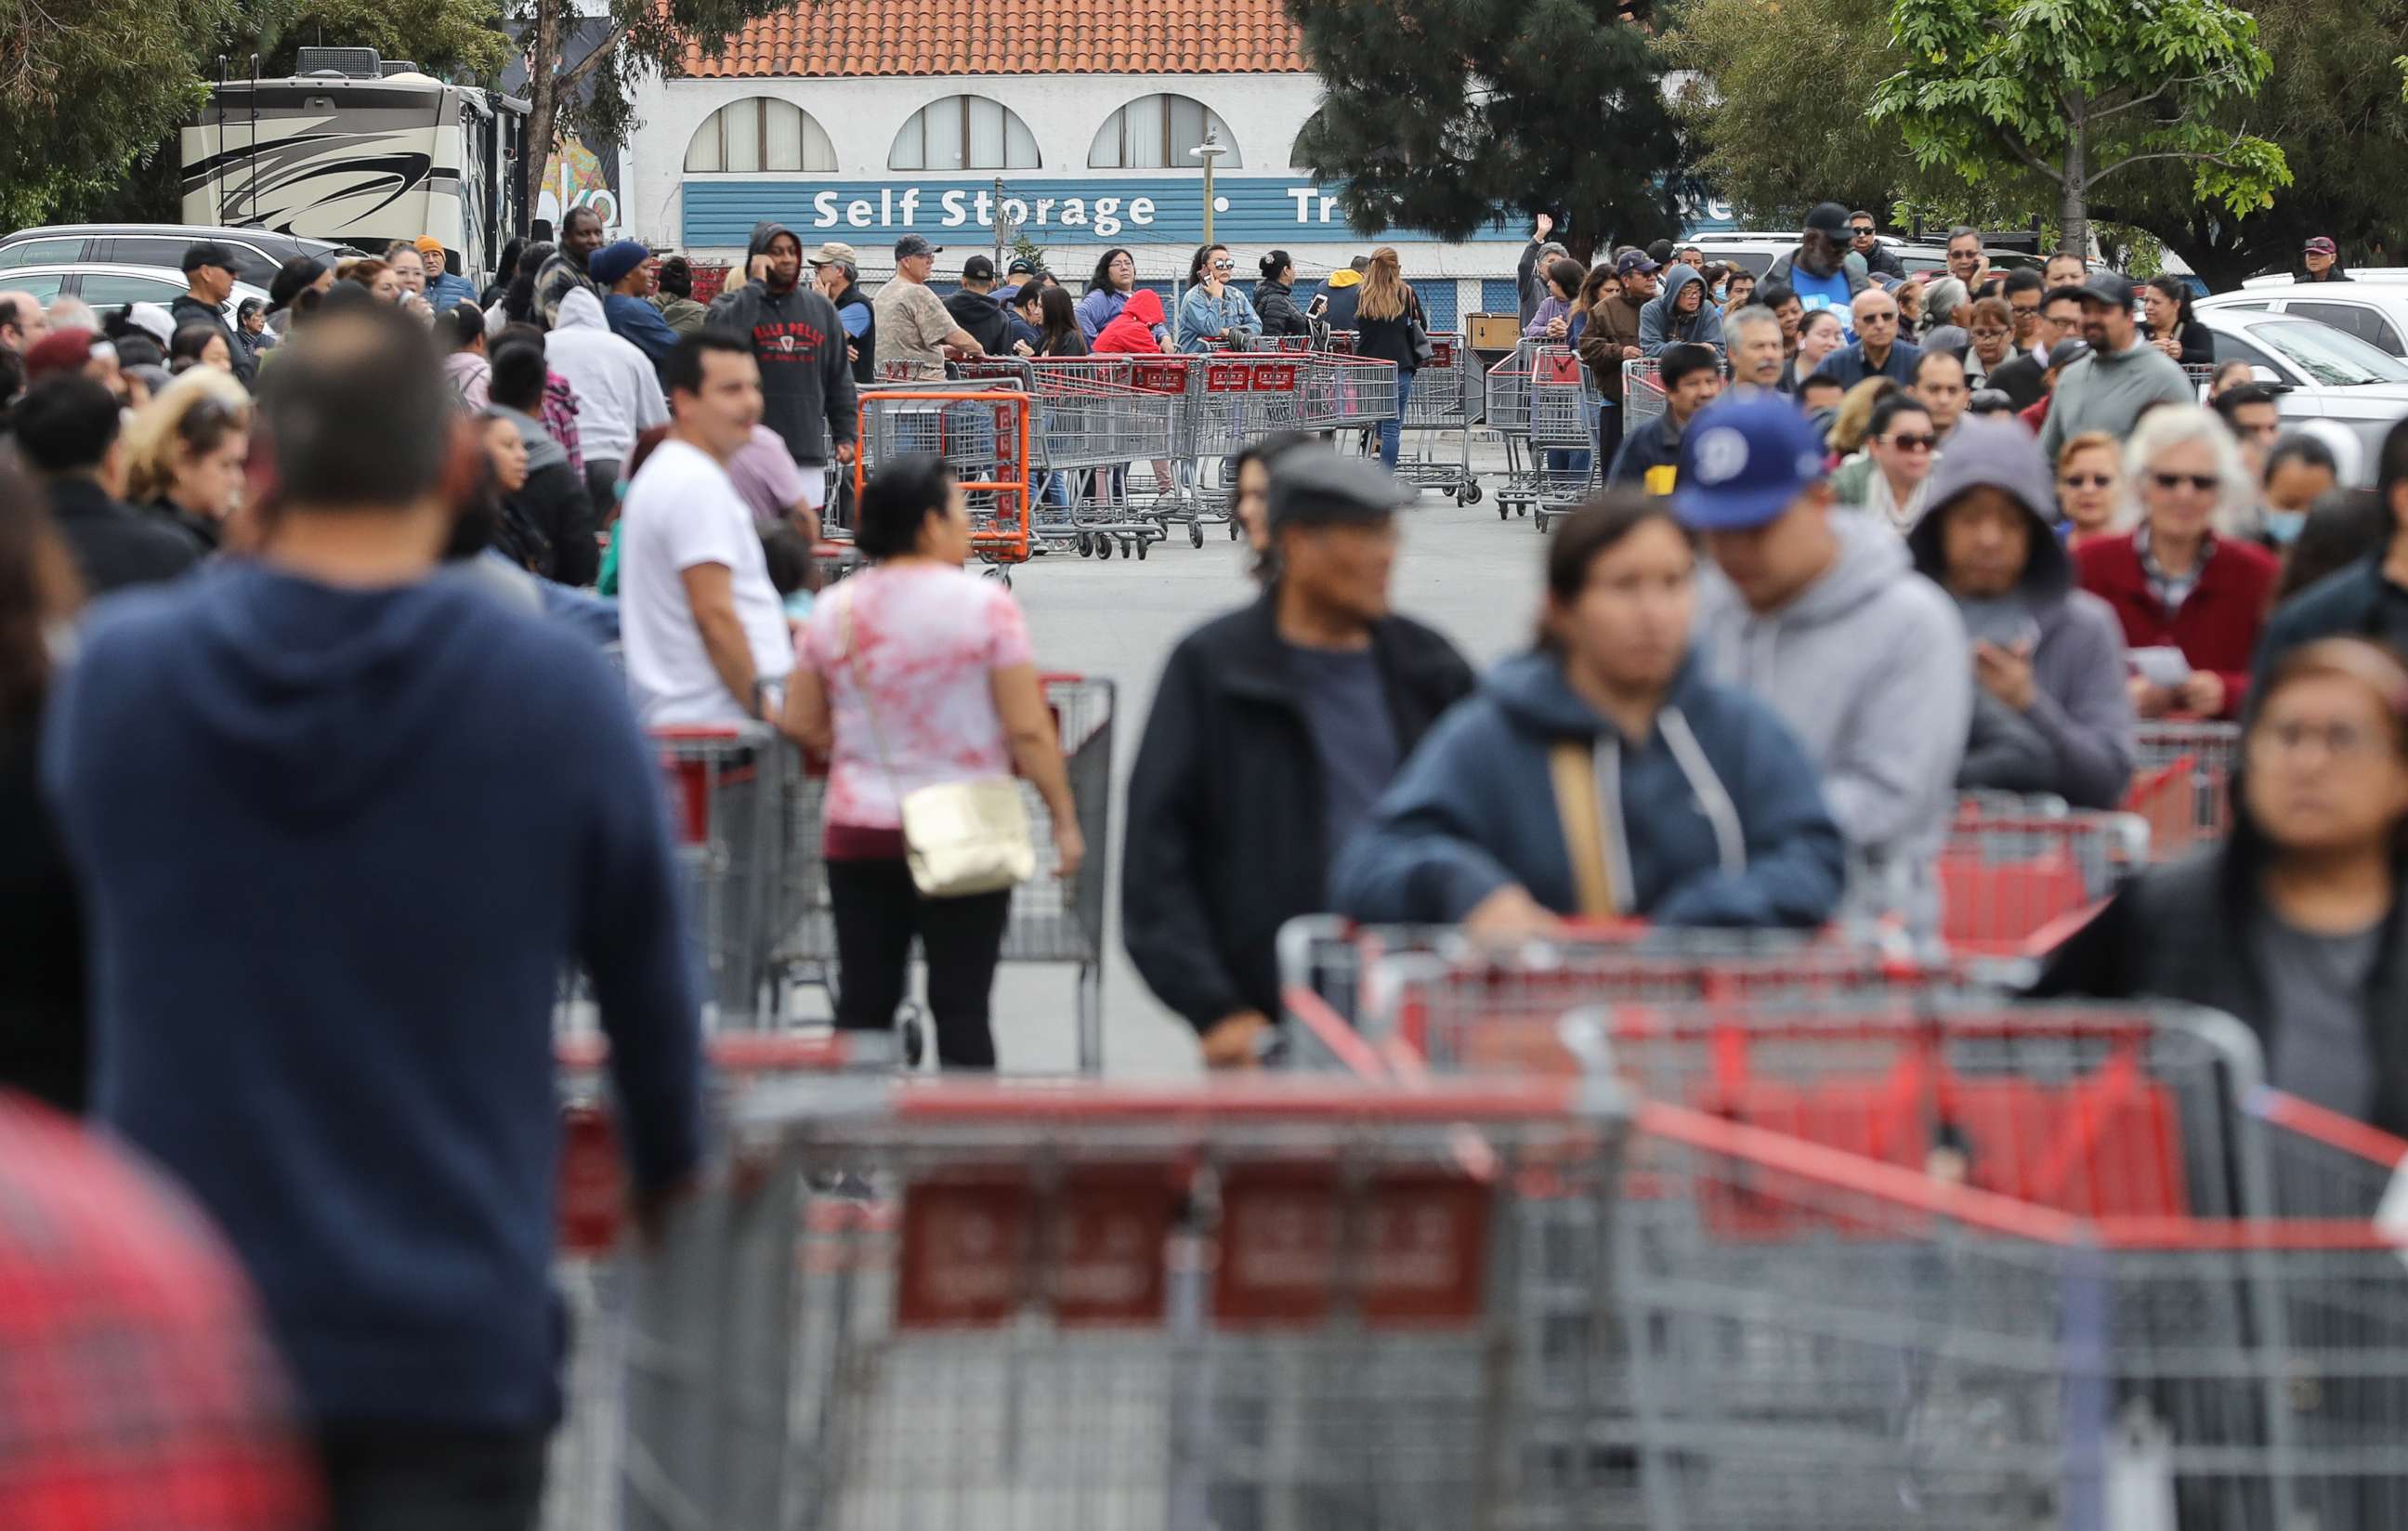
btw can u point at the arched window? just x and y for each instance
(1295, 151)
(964, 132)
(1155, 132)
(759, 133)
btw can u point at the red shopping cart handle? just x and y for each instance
(696, 731)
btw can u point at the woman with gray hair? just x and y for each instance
(1948, 301)
(2187, 585)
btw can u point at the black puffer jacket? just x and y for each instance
(1275, 303)
(1224, 837)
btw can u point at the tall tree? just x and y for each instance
(89, 88)
(1444, 114)
(573, 82)
(458, 40)
(2077, 91)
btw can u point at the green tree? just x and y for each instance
(87, 88)
(2077, 91)
(592, 93)
(1444, 114)
(450, 40)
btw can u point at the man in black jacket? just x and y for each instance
(1274, 730)
(807, 389)
(975, 310)
(549, 524)
(65, 428)
(2366, 599)
(208, 280)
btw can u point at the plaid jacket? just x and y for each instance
(137, 1389)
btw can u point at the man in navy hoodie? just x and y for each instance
(339, 826)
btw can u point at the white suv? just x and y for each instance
(2374, 307)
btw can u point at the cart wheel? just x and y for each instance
(1196, 533)
(1539, 520)
(1145, 542)
(1233, 526)
(1104, 547)
(1470, 495)
(1504, 511)
(1086, 546)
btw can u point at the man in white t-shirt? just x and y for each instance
(703, 630)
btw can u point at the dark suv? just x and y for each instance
(257, 252)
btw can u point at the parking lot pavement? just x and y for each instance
(1461, 570)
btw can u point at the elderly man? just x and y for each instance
(1752, 334)
(836, 271)
(913, 322)
(1878, 352)
(1940, 382)
(22, 323)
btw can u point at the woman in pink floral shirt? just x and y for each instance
(951, 695)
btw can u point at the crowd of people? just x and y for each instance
(316, 776)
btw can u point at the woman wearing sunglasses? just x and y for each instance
(1212, 314)
(2090, 488)
(2295, 926)
(2190, 591)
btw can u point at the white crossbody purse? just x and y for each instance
(960, 838)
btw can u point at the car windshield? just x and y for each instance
(2333, 358)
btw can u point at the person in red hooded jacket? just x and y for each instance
(1132, 333)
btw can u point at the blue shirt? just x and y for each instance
(1830, 292)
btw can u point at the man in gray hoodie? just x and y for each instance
(2122, 376)
(1822, 616)
(2050, 711)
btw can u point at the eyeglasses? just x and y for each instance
(1225, 266)
(1861, 231)
(2088, 480)
(1913, 441)
(2204, 484)
(2344, 742)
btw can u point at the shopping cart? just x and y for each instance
(1564, 402)
(2018, 876)
(725, 786)
(1444, 405)
(1346, 392)
(1820, 1340)
(1235, 399)
(2200, 376)
(982, 432)
(1642, 392)
(1089, 416)
(1243, 1304)
(1051, 922)
(2180, 784)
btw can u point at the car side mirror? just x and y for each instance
(2260, 373)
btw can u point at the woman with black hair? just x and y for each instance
(915, 674)
(2295, 926)
(43, 1036)
(1275, 296)
(504, 270)
(2168, 323)
(1057, 322)
(1108, 293)
(1675, 799)
(199, 345)
(518, 306)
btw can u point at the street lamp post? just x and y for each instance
(1209, 150)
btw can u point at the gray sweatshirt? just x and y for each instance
(1867, 667)
(2107, 392)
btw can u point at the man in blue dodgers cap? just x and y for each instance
(1823, 617)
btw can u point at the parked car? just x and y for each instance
(257, 252)
(110, 288)
(2324, 373)
(2373, 305)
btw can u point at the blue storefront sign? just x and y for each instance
(1259, 211)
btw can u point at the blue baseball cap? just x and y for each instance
(1742, 463)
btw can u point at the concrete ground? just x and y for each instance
(1462, 570)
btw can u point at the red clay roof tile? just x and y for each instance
(857, 37)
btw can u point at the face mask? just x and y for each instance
(2283, 525)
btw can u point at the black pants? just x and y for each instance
(1609, 436)
(878, 911)
(410, 1477)
(602, 488)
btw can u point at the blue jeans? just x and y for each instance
(1392, 430)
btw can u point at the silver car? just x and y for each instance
(2323, 373)
(109, 288)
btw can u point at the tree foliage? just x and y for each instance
(1446, 115)
(88, 87)
(592, 93)
(450, 40)
(2077, 91)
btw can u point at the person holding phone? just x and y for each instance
(1212, 314)
(1275, 296)
(2050, 712)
